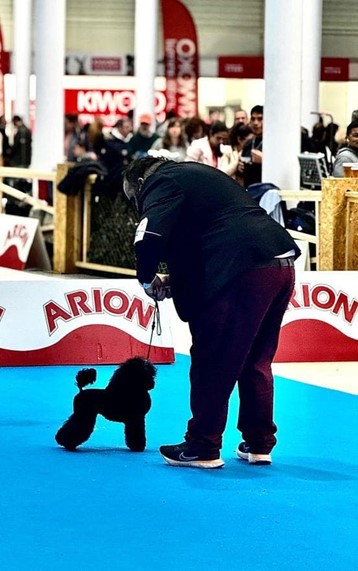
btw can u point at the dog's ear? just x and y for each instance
(149, 374)
(85, 377)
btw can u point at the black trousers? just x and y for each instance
(234, 340)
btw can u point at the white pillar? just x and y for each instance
(48, 140)
(22, 57)
(311, 61)
(282, 111)
(145, 55)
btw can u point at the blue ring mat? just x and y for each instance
(105, 508)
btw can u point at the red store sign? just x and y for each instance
(241, 67)
(252, 67)
(109, 103)
(334, 69)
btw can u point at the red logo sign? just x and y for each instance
(110, 104)
(109, 64)
(113, 302)
(251, 67)
(334, 69)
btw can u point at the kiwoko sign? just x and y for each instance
(110, 104)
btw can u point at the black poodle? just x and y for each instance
(125, 399)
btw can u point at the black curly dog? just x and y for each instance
(125, 399)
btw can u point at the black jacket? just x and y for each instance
(207, 229)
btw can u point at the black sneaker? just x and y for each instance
(183, 455)
(243, 452)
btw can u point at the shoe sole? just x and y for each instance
(218, 463)
(258, 459)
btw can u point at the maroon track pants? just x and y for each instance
(234, 340)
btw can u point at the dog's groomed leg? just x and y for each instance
(134, 430)
(76, 430)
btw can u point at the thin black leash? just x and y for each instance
(156, 322)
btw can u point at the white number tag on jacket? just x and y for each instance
(141, 228)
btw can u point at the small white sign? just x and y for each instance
(17, 234)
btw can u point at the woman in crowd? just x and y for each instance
(229, 161)
(173, 141)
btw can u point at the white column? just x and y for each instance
(145, 55)
(282, 112)
(49, 34)
(22, 57)
(311, 61)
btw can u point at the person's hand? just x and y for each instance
(166, 284)
(256, 156)
(229, 161)
(159, 288)
(242, 162)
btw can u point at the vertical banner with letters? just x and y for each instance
(2, 91)
(181, 59)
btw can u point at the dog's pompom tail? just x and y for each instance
(86, 377)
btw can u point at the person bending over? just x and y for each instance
(231, 275)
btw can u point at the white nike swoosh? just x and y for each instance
(187, 458)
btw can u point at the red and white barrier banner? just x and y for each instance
(61, 322)
(17, 234)
(52, 321)
(321, 322)
(181, 59)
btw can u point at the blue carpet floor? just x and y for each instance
(104, 508)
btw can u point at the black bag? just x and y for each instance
(76, 177)
(301, 220)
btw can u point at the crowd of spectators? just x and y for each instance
(210, 142)
(237, 150)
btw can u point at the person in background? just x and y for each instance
(143, 138)
(5, 149)
(239, 134)
(318, 138)
(115, 151)
(231, 276)
(214, 115)
(94, 137)
(195, 128)
(19, 155)
(173, 141)
(72, 136)
(207, 149)
(331, 132)
(349, 152)
(306, 145)
(21, 150)
(250, 163)
(241, 118)
(162, 127)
